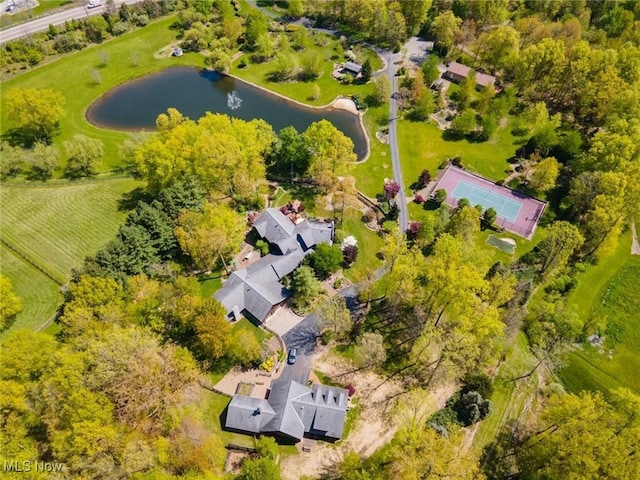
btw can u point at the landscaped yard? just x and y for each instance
(422, 146)
(57, 226)
(371, 173)
(72, 76)
(330, 88)
(369, 243)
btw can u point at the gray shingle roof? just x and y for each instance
(273, 225)
(257, 288)
(320, 410)
(248, 414)
(353, 67)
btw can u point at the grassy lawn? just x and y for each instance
(370, 174)
(509, 398)
(209, 284)
(618, 363)
(594, 280)
(40, 295)
(330, 88)
(245, 326)
(80, 90)
(57, 226)
(369, 243)
(422, 146)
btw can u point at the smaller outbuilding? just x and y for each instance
(353, 68)
(177, 52)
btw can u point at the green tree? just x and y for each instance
(464, 95)
(311, 66)
(284, 66)
(489, 216)
(295, 8)
(604, 448)
(464, 123)
(259, 469)
(210, 235)
(267, 447)
(43, 160)
(83, 156)
(429, 68)
(489, 127)
(265, 48)
(10, 303)
(334, 316)
(370, 350)
(382, 89)
(545, 175)
(421, 453)
(11, 161)
(291, 154)
(325, 260)
(158, 225)
(424, 106)
(37, 112)
(331, 152)
(464, 223)
(562, 240)
(256, 26)
(213, 329)
(440, 196)
(499, 46)
(366, 70)
(305, 287)
(445, 27)
(415, 14)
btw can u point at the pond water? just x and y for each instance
(136, 104)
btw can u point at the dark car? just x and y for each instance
(292, 356)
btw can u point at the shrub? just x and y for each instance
(418, 199)
(263, 247)
(350, 254)
(424, 178)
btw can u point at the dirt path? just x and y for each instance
(376, 424)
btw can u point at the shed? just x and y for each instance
(353, 67)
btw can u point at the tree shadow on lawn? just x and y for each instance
(24, 137)
(130, 200)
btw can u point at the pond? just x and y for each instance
(136, 104)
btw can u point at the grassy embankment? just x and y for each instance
(129, 56)
(608, 292)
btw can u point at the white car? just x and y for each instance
(94, 3)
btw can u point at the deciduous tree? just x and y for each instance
(334, 315)
(36, 111)
(10, 303)
(370, 350)
(210, 235)
(83, 156)
(305, 287)
(562, 240)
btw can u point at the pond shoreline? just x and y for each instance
(339, 103)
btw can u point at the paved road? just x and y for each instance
(42, 23)
(401, 198)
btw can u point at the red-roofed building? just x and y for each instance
(456, 72)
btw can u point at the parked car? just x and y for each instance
(94, 3)
(292, 356)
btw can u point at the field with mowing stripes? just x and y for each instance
(57, 226)
(40, 295)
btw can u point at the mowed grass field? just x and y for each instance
(618, 363)
(56, 226)
(129, 56)
(40, 295)
(422, 146)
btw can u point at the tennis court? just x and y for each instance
(505, 208)
(516, 212)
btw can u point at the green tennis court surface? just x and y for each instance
(477, 195)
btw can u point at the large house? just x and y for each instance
(257, 289)
(456, 72)
(291, 411)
